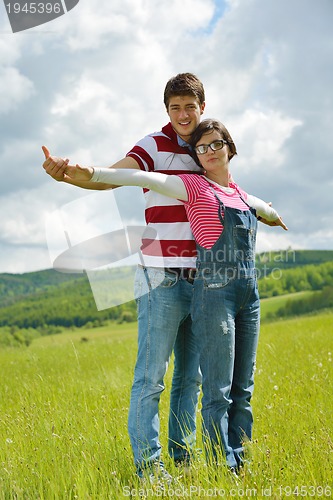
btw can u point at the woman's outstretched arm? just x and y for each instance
(167, 185)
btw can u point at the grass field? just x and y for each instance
(63, 418)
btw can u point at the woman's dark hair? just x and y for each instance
(209, 125)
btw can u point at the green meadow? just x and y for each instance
(63, 418)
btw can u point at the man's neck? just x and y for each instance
(182, 142)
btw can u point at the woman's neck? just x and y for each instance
(221, 178)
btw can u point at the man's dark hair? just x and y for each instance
(184, 84)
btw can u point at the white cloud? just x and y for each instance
(22, 217)
(137, 22)
(262, 137)
(85, 93)
(275, 239)
(14, 88)
(22, 259)
(9, 53)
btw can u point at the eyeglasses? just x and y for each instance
(214, 146)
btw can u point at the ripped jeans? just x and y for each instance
(226, 326)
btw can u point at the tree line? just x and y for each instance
(315, 302)
(298, 279)
(47, 302)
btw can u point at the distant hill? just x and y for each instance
(14, 287)
(42, 298)
(289, 258)
(47, 299)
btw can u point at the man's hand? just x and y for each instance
(55, 167)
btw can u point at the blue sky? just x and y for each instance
(90, 84)
(220, 6)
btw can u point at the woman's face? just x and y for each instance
(213, 160)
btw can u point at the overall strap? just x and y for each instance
(221, 205)
(242, 198)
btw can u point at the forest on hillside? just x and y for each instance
(46, 302)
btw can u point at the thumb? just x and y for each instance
(46, 152)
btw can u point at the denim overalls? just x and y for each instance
(226, 317)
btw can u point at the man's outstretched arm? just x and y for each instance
(56, 168)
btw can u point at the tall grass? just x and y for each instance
(63, 418)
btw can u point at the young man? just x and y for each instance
(164, 322)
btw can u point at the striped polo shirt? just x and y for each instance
(174, 245)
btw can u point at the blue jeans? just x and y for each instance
(164, 325)
(225, 313)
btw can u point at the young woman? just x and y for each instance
(225, 307)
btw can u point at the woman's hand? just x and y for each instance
(276, 222)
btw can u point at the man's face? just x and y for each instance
(184, 113)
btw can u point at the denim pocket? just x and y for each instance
(219, 279)
(161, 278)
(244, 243)
(140, 283)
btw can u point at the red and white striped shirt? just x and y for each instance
(202, 207)
(174, 245)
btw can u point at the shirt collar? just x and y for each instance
(182, 143)
(169, 131)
